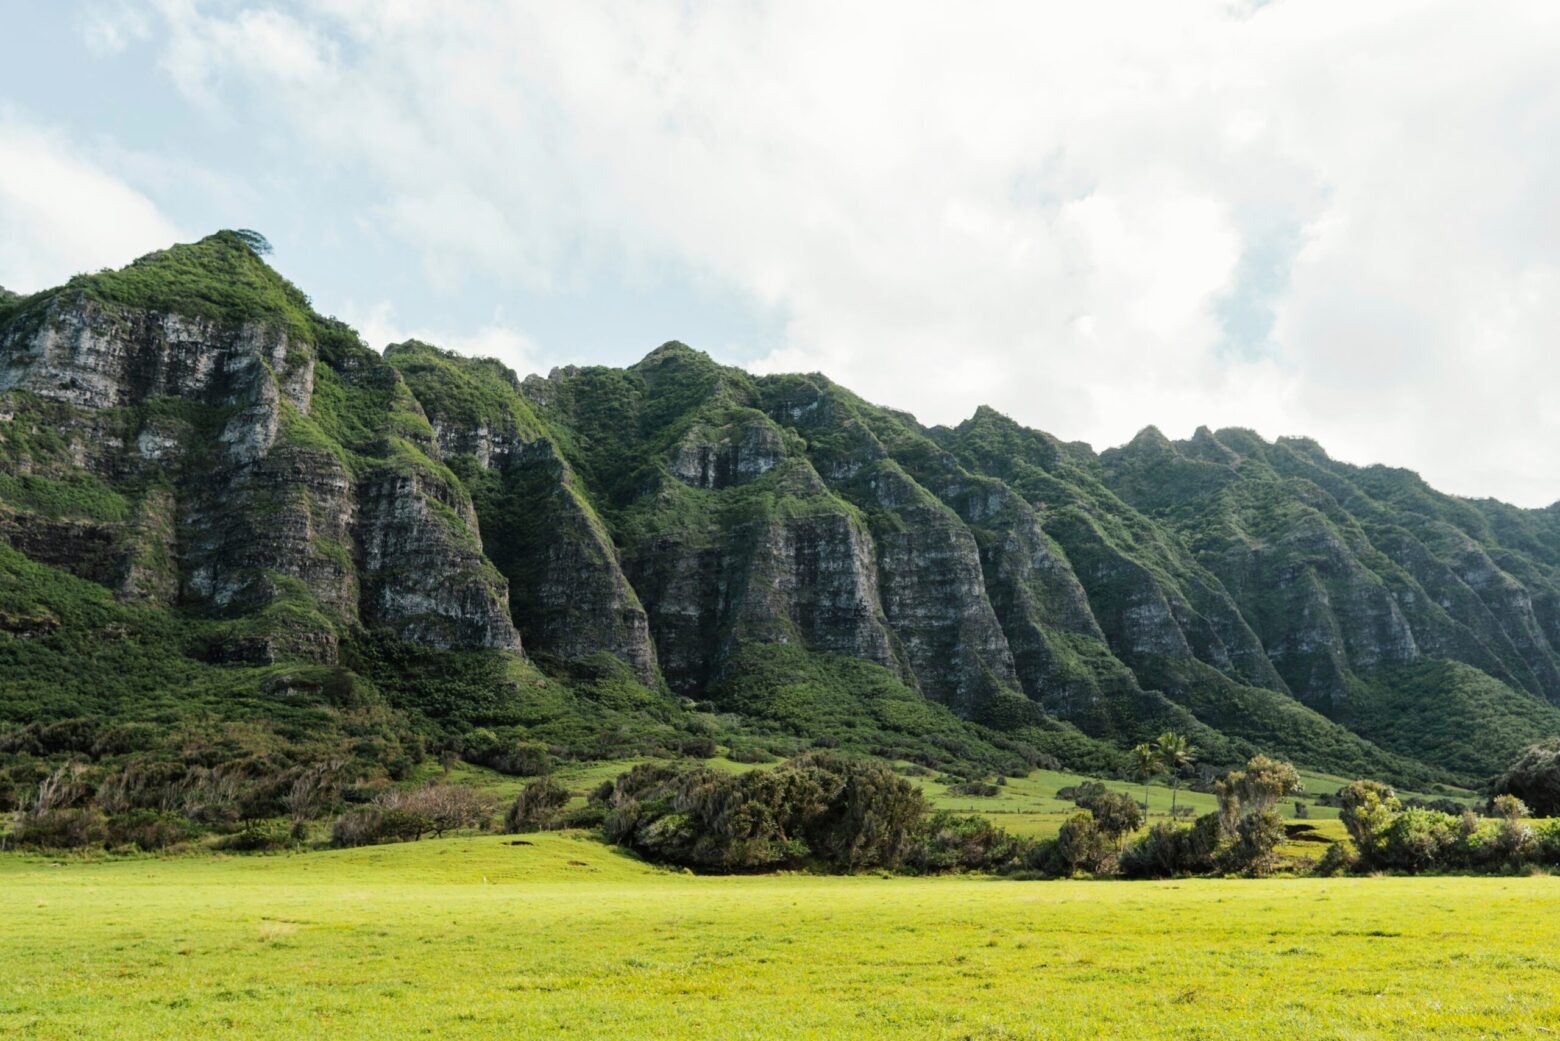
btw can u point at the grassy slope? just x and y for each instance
(477, 938)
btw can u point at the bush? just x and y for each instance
(538, 807)
(258, 837)
(1169, 850)
(979, 789)
(751, 754)
(1078, 794)
(149, 830)
(444, 807)
(63, 828)
(1546, 841)
(1338, 859)
(516, 757)
(698, 748)
(1081, 846)
(373, 825)
(1367, 809)
(1534, 777)
(947, 842)
(1117, 815)
(1256, 840)
(820, 808)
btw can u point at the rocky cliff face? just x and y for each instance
(190, 435)
(237, 498)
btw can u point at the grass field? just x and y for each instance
(564, 937)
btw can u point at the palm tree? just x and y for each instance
(1176, 755)
(1145, 764)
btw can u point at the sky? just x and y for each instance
(1306, 217)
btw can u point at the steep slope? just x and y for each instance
(207, 484)
(1358, 580)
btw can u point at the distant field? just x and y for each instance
(564, 937)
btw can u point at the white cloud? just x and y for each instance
(108, 28)
(62, 213)
(1054, 208)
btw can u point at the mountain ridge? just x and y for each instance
(679, 545)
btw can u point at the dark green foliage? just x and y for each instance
(373, 825)
(1367, 809)
(1534, 777)
(1339, 859)
(820, 809)
(1451, 715)
(149, 830)
(258, 836)
(1170, 850)
(1115, 813)
(944, 842)
(1255, 841)
(538, 807)
(1242, 837)
(1083, 846)
(1150, 588)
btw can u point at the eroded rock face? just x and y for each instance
(421, 562)
(87, 354)
(235, 510)
(735, 454)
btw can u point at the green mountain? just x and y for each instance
(228, 526)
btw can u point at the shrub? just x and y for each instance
(1418, 840)
(143, 785)
(1081, 846)
(698, 748)
(444, 807)
(1168, 850)
(1339, 858)
(845, 814)
(257, 836)
(1546, 841)
(1367, 809)
(751, 754)
(538, 807)
(979, 789)
(372, 825)
(61, 828)
(149, 830)
(1116, 814)
(1534, 777)
(1078, 794)
(516, 757)
(1256, 839)
(948, 842)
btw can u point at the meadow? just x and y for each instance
(557, 935)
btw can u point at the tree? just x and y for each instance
(257, 242)
(1246, 817)
(312, 789)
(1534, 777)
(1176, 755)
(538, 806)
(1116, 814)
(1367, 810)
(1145, 764)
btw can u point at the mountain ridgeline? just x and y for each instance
(226, 520)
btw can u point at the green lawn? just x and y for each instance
(564, 937)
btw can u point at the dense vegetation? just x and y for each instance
(694, 557)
